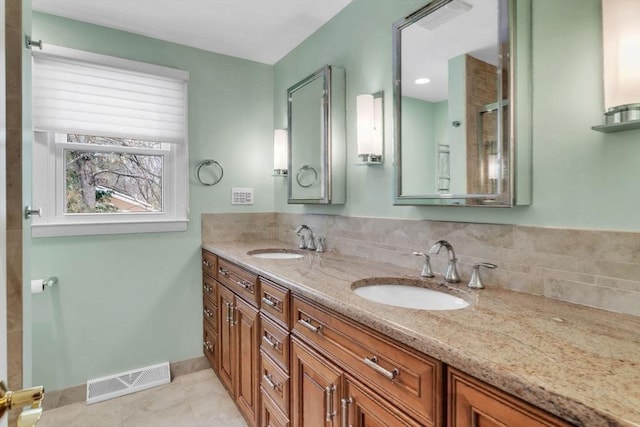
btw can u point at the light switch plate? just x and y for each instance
(241, 196)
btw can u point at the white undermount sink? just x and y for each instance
(409, 296)
(276, 253)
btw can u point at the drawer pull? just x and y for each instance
(268, 302)
(373, 364)
(228, 305)
(345, 411)
(267, 340)
(244, 284)
(224, 272)
(270, 383)
(208, 312)
(208, 346)
(328, 402)
(206, 263)
(208, 288)
(307, 324)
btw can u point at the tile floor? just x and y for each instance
(193, 400)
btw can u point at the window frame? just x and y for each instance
(48, 174)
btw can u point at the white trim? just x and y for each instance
(89, 229)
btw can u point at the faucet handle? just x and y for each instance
(475, 282)
(302, 244)
(426, 268)
(321, 244)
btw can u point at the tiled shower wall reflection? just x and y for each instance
(595, 268)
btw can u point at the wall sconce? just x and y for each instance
(370, 128)
(621, 44)
(280, 153)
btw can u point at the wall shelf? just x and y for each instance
(618, 127)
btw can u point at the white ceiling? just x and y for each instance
(258, 30)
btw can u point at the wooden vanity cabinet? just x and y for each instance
(210, 308)
(275, 342)
(475, 403)
(238, 354)
(296, 363)
(408, 380)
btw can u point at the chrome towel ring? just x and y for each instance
(303, 169)
(209, 162)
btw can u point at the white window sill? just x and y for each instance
(89, 229)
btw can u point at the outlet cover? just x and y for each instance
(241, 196)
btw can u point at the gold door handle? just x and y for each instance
(14, 399)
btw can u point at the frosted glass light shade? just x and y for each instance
(369, 128)
(280, 152)
(621, 47)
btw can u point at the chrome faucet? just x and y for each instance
(451, 275)
(310, 244)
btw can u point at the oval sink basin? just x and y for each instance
(409, 296)
(276, 254)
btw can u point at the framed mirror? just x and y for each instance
(316, 115)
(455, 82)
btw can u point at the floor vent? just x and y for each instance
(105, 388)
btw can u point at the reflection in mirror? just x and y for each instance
(452, 104)
(316, 120)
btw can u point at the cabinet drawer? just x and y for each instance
(274, 341)
(472, 402)
(209, 346)
(275, 300)
(410, 380)
(210, 314)
(271, 416)
(210, 289)
(275, 382)
(209, 263)
(239, 280)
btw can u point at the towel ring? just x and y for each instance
(208, 162)
(307, 168)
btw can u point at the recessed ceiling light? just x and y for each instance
(422, 81)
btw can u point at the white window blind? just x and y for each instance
(94, 97)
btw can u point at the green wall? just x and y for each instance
(581, 178)
(126, 301)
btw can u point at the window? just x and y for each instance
(110, 146)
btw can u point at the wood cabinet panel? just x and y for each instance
(274, 341)
(210, 289)
(363, 408)
(245, 324)
(270, 414)
(239, 280)
(477, 404)
(410, 380)
(210, 343)
(210, 314)
(226, 348)
(275, 300)
(275, 382)
(209, 264)
(316, 385)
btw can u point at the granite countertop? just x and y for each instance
(579, 363)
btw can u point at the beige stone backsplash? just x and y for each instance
(589, 267)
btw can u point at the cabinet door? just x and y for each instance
(226, 350)
(474, 403)
(363, 408)
(315, 388)
(271, 415)
(245, 328)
